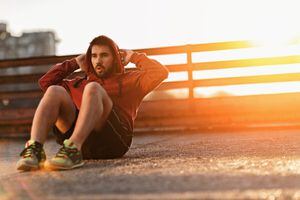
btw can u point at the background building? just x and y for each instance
(29, 44)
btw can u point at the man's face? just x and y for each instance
(102, 60)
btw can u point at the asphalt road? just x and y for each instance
(221, 165)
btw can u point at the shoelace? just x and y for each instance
(28, 151)
(64, 152)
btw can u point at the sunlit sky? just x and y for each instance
(154, 23)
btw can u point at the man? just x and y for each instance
(92, 116)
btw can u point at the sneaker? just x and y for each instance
(68, 157)
(32, 157)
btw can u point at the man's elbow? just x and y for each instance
(42, 84)
(165, 73)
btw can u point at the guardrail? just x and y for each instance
(19, 93)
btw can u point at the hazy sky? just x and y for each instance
(153, 23)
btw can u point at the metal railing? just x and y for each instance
(13, 113)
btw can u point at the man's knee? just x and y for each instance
(94, 88)
(55, 91)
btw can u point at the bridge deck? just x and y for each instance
(249, 164)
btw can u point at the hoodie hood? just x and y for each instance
(104, 40)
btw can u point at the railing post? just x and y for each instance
(190, 71)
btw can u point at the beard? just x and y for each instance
(105, 72)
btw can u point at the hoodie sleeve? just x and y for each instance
(57, 73)
(152, 72)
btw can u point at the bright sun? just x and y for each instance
(262, 50)
(271, 26)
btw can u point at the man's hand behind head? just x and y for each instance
(125, 55)
(81, 62)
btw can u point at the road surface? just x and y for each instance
(257, 164)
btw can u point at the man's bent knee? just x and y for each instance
(95, 88)
(55, 90)
(57, 96)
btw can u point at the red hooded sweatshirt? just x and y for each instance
(126, 89)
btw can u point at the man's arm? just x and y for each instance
(57, 73)
(152, 72)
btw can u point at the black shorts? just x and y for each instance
(113, 141)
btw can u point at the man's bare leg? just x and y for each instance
(56, 107)
(95, 108)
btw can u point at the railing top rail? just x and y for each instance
(197, 47)
(43, 60)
